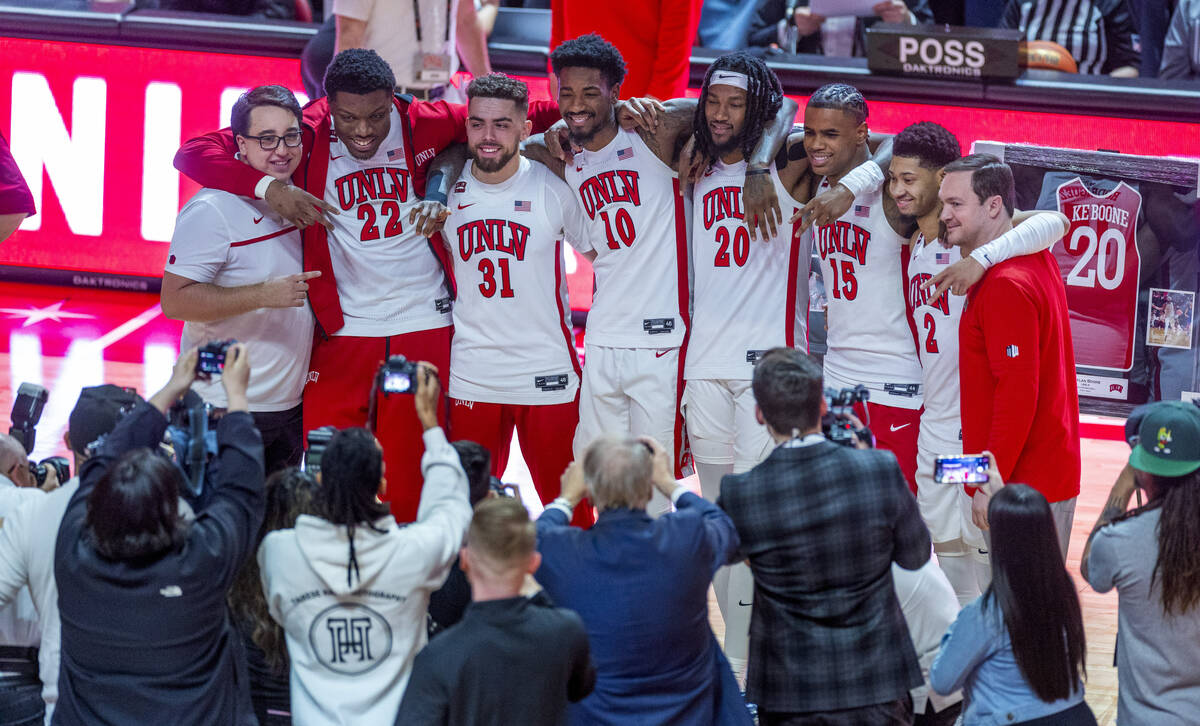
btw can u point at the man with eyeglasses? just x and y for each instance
(235, 271)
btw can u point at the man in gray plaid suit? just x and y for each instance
(821, 525)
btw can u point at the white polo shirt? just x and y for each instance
(231, 241)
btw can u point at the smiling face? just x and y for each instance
(495, 129)
(281, 161)
(832, 139)
(914, 187)
(362, 121)
(725, 112)
(586, 102)
(963, 215)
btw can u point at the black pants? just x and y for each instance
(895, 713)
(283, 437)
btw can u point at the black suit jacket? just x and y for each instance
(821, 525)
(763, 28)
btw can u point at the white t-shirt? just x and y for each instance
(636, 225)
(389, 280)
(512, 323)
(392, 33)
(936, 322)
(748, 296)
(870, 341)
(231, 241)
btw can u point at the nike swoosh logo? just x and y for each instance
(579, 168)
(660, 353)
(258, 220)
(464, 206)
(335, 158)
(897, 428)
(744, 604)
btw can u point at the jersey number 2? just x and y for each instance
(930, 334)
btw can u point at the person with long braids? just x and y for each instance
(350, 587)
(1018, 650)
(290, 493)
(1151, 555)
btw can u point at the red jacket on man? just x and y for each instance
(1017, 370)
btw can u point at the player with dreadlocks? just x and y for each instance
(738, 289)
(1152, 556)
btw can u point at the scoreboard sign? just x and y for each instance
(943, 51)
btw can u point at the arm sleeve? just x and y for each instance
(964, 646)
(1035, 234)
(209, 161)
(426, 701)
(15, 196)
(910, 537)
(1010, 337)
(199, 244)
(238, 499)
(1119, 31)
(1102, 560)
(445, 509)
(1176, 60)
(718, 529)
(583, 673)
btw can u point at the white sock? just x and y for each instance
(737, 612)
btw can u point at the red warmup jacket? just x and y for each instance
(428, 128)
(1017, 369)
(654, 36)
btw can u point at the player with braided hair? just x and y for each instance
(738, 288)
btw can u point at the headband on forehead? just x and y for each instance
(730, 78)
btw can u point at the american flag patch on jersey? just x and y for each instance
(862, 210)
(522, 207)
(395, 154)
(942, 258)
(623, 154)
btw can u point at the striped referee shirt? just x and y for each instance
(1097, 33)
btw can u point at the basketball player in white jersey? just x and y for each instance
(747, 297)
(918, 154)
(234, 272)
(636, 225)
(512, 358)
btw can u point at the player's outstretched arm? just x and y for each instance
(210, 161)
(1033, 231)
(795, 172)
(832, 203)
(534, 148)
(428, 216)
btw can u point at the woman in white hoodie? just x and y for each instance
(350, 587)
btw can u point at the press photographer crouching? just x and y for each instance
(146, 636)
(360, 581)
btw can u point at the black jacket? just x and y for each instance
(152, 642)
(514, 661)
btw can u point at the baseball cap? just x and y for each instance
(96, 413)
(1169, 440)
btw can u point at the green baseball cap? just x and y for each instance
(1168, 440)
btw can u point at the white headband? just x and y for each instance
(730, 78)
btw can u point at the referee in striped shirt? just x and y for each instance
(1097, 33)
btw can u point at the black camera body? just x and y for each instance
(210, 358)
(836, 424)
(397, 375)
(26, 413)
(62, 468)
(318, 440)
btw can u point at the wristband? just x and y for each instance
(434, 191)
(564, 502)
(754, 172)
(863, 178)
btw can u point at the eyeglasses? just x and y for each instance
(269, 142)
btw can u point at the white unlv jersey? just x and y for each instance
(388, 278)
(512, 326)
(937, 333)
(870, 341)
(636, 225)
(230, 241)
(748, 296)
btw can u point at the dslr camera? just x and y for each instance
(210, 358)
(397, 375)
(26, 413)
(836, 423)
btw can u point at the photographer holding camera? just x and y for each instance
(1150, 555)
(360, 581)
(821, 525)
(146, 634)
